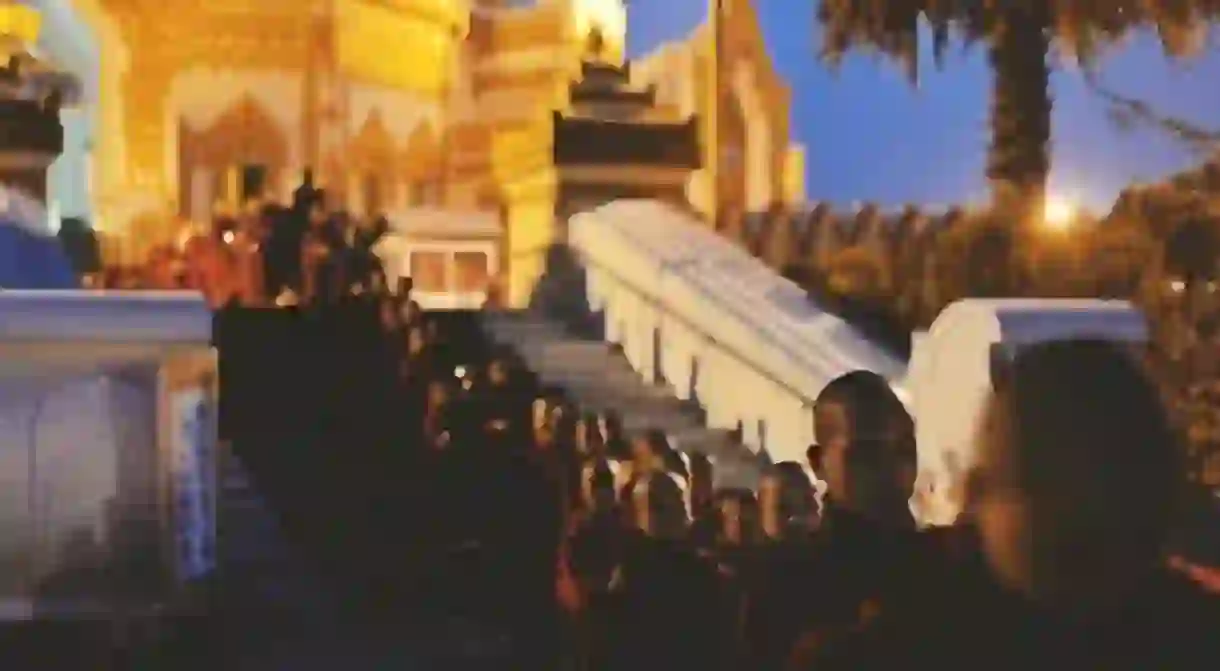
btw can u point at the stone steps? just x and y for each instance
(598, 378)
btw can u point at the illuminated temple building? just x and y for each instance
(523, 111)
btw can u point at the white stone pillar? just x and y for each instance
(201, 183)
(68, 177)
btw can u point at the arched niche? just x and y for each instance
(421, 166)
(243, 154)
(372, 161)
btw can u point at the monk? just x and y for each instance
(247, 254)
(210, 266)
(159, 272)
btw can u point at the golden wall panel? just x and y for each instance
(518, 152)
(381, 46)
(225, 42)
(541, 27)
(453, 14)
(543, 79)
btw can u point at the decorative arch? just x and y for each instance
(372, 147)
(422, 165)
(243, 150)
(372, 160)
(245, 133)
(423, 151)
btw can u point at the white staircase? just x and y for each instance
(598, 378)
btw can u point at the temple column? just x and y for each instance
(529, 233)
(149, 182)
(145, 89)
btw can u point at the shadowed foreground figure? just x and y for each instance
(1071, 496)
(867, 547)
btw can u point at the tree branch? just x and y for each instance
(1127, 112)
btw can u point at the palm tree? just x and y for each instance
(1019, 36)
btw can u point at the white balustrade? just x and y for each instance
(722, 328)
(716, 324)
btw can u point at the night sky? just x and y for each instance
(870, 136)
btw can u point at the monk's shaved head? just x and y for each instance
(865, 449)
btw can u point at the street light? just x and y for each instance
(1059, 214)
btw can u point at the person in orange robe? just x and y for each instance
(249, 276)
(164, 269)
(210, 266)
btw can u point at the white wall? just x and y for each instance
(68, 179)
(59, 457)
(81, 37)
(68, 40)
(950, 376)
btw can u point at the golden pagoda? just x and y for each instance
(519, 109)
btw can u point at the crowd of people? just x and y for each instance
(552, 538)
(267, 254)
(574, 545)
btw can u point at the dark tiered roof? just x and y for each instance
(591, 141)
(26, 126)
(592, 137)
(602, 83)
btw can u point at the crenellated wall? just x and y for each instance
(812, 233)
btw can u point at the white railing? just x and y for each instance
(716, 324)
(720, 327)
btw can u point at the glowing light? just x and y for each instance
(610, 16)
(1177, 286)
(229, 237)
(1059, 214)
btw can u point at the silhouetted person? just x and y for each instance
(669, 610)
(53, 102)
(315, 253)
(306, 195)
(867, 539)
(1072, 493)
(502, 407)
